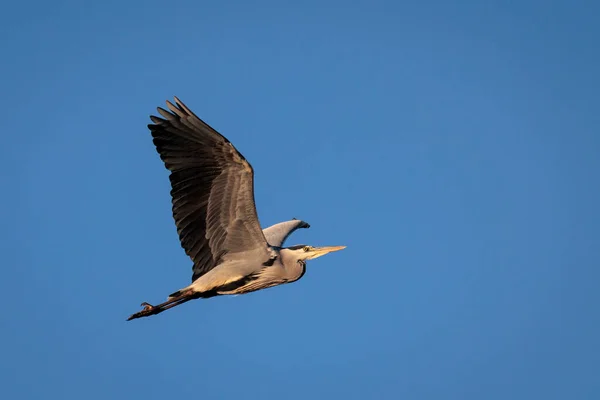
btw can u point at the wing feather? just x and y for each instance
(278, 233)
(212, 188)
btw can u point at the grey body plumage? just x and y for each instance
(214, 211)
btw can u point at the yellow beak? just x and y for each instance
(321, 251)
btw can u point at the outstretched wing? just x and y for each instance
(278, 233)
(212, 188)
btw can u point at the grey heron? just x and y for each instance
(212, 190)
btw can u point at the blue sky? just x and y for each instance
(452, 147)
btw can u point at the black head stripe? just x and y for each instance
(297, 247)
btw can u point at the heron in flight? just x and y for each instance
(212, 190)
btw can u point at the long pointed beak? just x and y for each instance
(321, 251)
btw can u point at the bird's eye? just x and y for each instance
(306, 248)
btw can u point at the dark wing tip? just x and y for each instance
(156, 119)
(302, 223)
(172, 112)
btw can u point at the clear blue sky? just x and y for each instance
(453, 148)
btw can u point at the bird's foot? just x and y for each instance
(148, 308)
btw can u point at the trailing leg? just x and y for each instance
(180, 298)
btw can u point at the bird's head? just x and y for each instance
(303, 252)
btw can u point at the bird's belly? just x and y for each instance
(230, 278)
(222, 275)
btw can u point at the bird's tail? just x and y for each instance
(175, 294)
